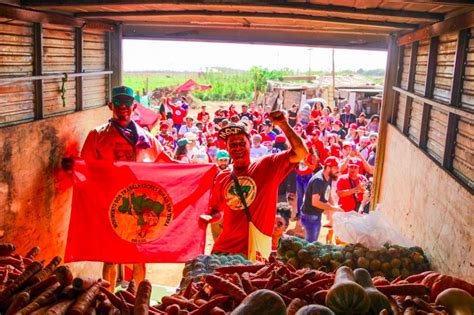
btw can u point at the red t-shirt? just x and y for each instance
(348, 203)
(257, 118)
(303, 169)
(178, 114)
(361, 167)
(260, 186)
(315, 113)
(201, 115)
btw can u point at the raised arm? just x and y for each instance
(298, 148)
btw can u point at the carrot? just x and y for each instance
(172, 309)
(19, 301)
(127, 296)
(246, 283)
(418, 277)
(206, 308)
(320, 297)
(403, 289)
(116, 301)
(84, 283)
(27, 261)
(238, 281)
(227, 287)
(124, 309)
(262, 273)
(33, 252)
(45, 298)
(423, 305)
(59, 308)
(410, 311)
(295, 282)
(240, 269)
(217, 311)
(132, 288)
(41, 310)
(64, 275)
(396, 279)
(310, 288)
(85, 300)
(189, 290)
(430, 279)
(295, 305)
(4, 277)
(9, 260)
(7, 249)
(69, 292)
(46, 272)
(259, 283)
(182, 303)
(39, 287)
(20, 281)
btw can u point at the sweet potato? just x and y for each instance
(143, 298)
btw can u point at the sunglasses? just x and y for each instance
(121, 102)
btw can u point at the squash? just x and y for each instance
(378, 300)
(261, 302)
(456, 301)
(314, 309)
(346, 296)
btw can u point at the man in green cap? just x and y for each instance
(121, 139)
(222, 160)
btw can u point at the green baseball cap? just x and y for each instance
(222, 154)
(122, 91)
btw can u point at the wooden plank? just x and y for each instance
(458, 111)
(79, 51)
(400, 67)
(38, 70)
(460, 62)
(453, 24)
(410, 86)
(116, 56)
(17, 13)
(429, 90)
(450, 137)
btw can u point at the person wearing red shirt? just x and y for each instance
(232, 112)
(319, 146)
(267, 134)
(178, 114)
(350, 187)
(259, 181)
(364, 166)
(202, 114)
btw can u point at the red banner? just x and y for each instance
(145, 116)
(128, 212)
(191, 85)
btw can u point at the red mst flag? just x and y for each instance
(145, 117)
(129, 212)
(191, 85)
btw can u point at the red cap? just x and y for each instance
(353, 162)
(362, 128)
(353, 126)
(316, 132)
(331, 161)
(347, 106)
(164, 123)
(338, 122)
(311, 123)
(280, 139)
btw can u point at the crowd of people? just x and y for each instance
(338, 169)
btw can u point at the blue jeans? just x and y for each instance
(301, 185)
(312, 226)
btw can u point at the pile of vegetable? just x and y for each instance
(195, 269)
(390, 261)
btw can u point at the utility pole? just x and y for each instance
(333, 78)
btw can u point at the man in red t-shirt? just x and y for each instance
(259, 181)
(178, 114)
(350, 187)
(202, 114)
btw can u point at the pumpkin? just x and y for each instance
(378, 300)
(346, 296)
(314, 310)
(261, 302)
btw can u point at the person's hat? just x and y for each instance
(235, 119)
(232, 130)
(337, 122)
(347, 144)
(347, 106)
(280, 139)
(182, 142)
(123, 91)
(189, 118)
(364, 139)
(222, 154)
(316, 133)
(190, 136)
(353, 162)
(267, 143)
(353, 126)
(362, 114)
(362, 129)
(267, 122)
(225, 122)
(311, 123)
(164, 123)
(331, 161)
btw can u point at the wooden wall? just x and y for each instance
(435, 101)
(32, 50)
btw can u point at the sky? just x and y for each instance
(149, 55)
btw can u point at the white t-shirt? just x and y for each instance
(256, 153)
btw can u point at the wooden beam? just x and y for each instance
(116, 56)
(439, 2)
(429, 89)
(453, 24)
(462, 49)
(386, 111)
(38, 69)
(255, 36)
(308, 7)
(411, 85)
(79, 68)
(207, 13)
(468, 114)
(401, 54)
(34, 16)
